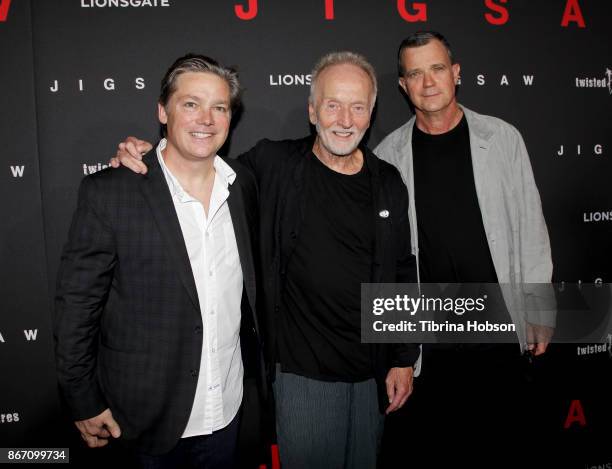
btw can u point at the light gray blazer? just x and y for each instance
(511, 212)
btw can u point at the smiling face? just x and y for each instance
(197, 116)
(341, 108)
(429, 78)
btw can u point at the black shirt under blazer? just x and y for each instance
(279, 169)
(128, 325)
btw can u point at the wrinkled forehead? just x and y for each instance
(344, 79)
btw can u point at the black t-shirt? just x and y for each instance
(452, 241)
(320, 328)
(453, 245)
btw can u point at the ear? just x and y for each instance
(161, 114)
(456, 68)
(402, 83)
(312, 114)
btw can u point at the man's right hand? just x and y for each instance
(130, 153)
(96, 430)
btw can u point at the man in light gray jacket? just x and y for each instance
(475, 217)
(447, 145)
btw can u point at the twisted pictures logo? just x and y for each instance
(4, 9)
(596, 82)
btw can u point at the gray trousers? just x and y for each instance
(333, 425)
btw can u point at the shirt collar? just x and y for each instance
(223, 171)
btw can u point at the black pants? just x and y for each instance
(468, 403)
(215, 451)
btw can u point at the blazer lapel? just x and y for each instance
(157, 195)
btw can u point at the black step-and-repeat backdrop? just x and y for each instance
(77, 76)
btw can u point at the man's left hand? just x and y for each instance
(538, 338)
(399, 387)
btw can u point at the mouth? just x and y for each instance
(201, 135)
(342, 134)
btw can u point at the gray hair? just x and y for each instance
(342, 58)
(199, 63)
(418, 39)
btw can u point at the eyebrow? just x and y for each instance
(437, 64)
(323, 98)
(196, 98)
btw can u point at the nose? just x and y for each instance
(428, 79)
(205, 116)
(345, 118)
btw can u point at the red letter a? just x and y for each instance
(572, 13)
(4, 8)
(246, 14)
(575, 414)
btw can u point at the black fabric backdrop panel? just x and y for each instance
(28, 396)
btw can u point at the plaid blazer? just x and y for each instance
(128, 328)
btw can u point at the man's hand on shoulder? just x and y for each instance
(97, 430)
(130, 153)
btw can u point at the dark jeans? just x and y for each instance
(331, 425)
(215, 451)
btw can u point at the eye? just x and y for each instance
(190, 105)
(438, 68)
(220, 108)
(332, 106)
(413, 74)
(359, 108)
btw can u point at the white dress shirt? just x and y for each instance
(213, 254)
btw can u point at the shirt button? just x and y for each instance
(210, 273)
(212, 313)
(214, 350)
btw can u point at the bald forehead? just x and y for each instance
(344, 76)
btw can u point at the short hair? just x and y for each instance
(199, 63)
(342, 58)
(418, 39)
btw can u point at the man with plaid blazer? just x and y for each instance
(156, 293)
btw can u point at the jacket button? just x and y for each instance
(276, 308)
(194, 373)
(198, 329)
(293, 235)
